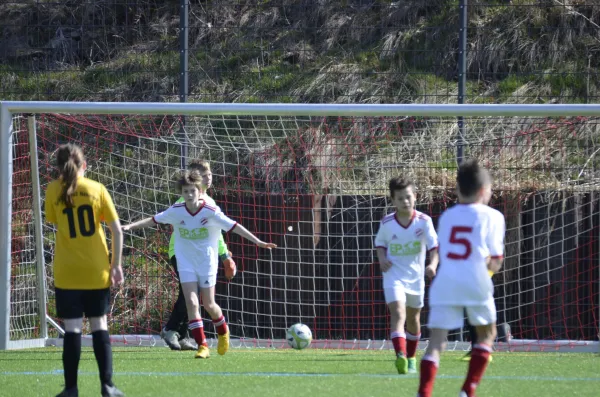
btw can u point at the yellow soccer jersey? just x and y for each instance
(81, 255)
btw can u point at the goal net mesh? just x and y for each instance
(317, 187)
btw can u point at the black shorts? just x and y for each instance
(75, 303)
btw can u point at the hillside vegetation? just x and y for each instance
(352, 51)
(312, 51)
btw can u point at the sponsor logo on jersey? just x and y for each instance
(200, 233)
(412, 248)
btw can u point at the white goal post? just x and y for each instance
(544, 154)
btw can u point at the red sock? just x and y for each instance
(480, 356)
(412, 341)
(197, 328)
(399, 342)
(429, 367)
(221, 325)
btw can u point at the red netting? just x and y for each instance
(317, 187)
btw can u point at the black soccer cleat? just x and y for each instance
(73, 392)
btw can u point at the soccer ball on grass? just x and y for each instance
(299, 336)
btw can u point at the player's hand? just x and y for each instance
(125, 228)
(116, 275)
(229, 268)
(385, 265)
(430, 272)
(262, 244)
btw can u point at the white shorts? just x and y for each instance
(190, 276)
(452, 317)
(397, 294)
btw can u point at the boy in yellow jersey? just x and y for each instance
(83, 273)
(176, 330)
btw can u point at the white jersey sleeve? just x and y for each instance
(382, 239)
(430, 235)
(222, 221)
(495, 237)
(168, 216)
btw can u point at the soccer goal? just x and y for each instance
(312, 179)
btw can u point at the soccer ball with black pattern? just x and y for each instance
(299, 336)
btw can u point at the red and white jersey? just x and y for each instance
(406, 248)
(469, 234)
(196, 236)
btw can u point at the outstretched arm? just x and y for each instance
(139, 224)
(242, 231)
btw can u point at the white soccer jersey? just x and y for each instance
(405, 247)
(196, 236)
(468, 234)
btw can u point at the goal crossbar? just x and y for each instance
(278, 109)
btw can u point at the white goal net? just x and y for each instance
(312, 179)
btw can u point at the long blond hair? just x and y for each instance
(69, 160)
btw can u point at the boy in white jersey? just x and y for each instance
(197, 227)
(175, 331)
(471, 236)
(401, 244)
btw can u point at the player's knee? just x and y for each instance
(487, 334)
(98, 324)
(211, 307)
(395, 309)
(413, 324)
(73, 325)
(192, 305)
(413, 316)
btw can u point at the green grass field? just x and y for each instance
(161, 372)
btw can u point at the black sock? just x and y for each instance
(70, 357)
(103, 353)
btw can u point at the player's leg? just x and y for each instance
(441, 320)
(69, 307)
(396, 302)
(472, 338)
(189, 284)
(484, 319)
(414, 303)
(178, 320)
(431, 361)
(96, 307)
(215, 312)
